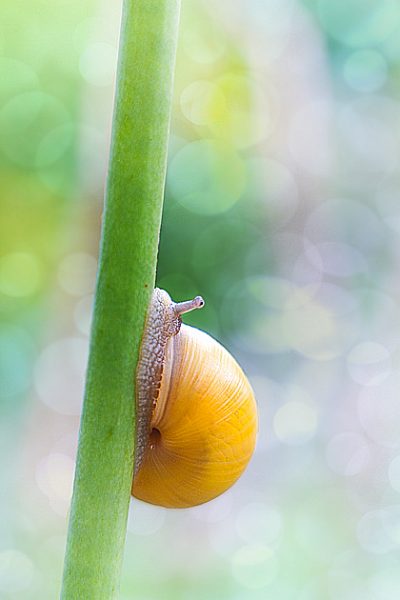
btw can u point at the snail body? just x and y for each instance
(196, 412)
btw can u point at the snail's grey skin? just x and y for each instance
(162, 322)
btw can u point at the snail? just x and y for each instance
(196, 412)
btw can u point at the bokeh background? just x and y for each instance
(282, 210)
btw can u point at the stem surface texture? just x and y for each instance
(127, 266)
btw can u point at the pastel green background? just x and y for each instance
(282, 210)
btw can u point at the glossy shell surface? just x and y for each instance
(203, 426)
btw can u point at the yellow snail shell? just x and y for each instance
(196, 411)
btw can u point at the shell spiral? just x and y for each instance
(201, 426)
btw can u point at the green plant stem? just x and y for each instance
(130, 235)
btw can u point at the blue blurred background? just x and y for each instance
(282, 210)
